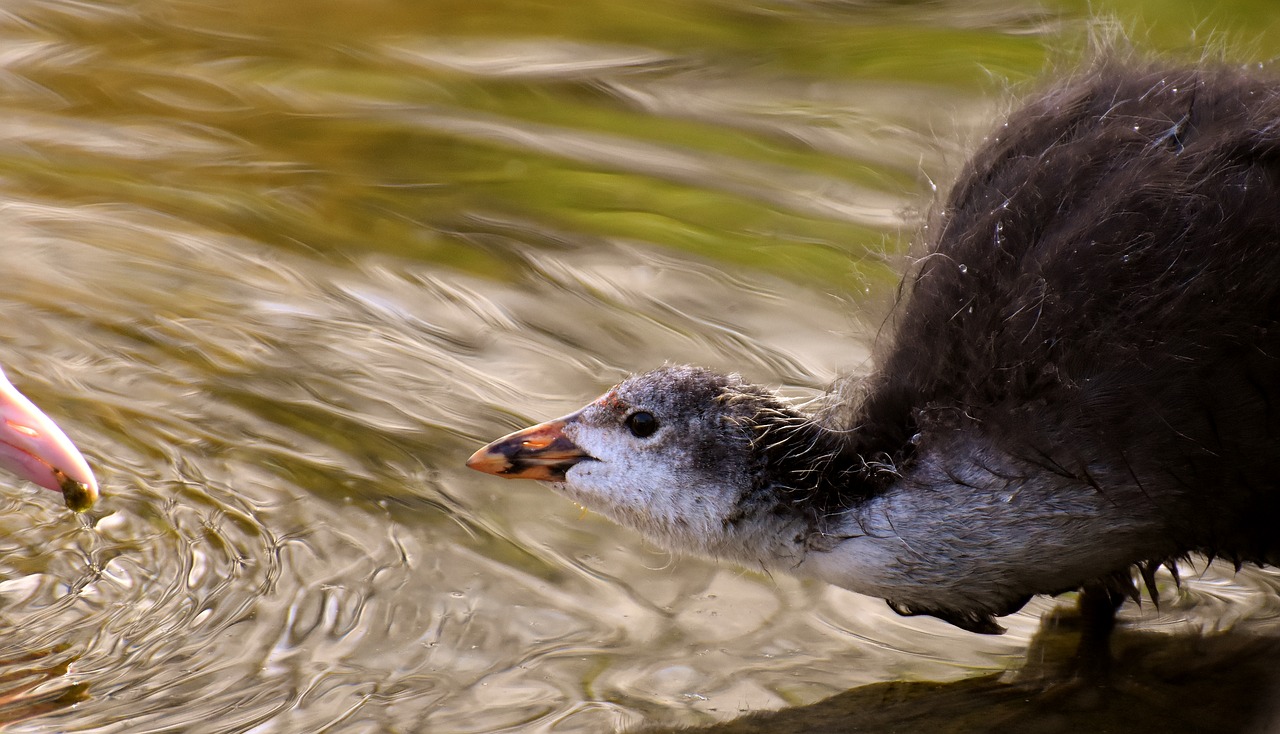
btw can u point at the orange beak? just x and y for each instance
(542, 452)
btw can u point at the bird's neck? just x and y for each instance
(804, 480)
(964, 527)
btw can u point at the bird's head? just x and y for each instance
(674, 453)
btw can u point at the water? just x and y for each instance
(279, 268)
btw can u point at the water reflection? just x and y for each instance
(280, 268)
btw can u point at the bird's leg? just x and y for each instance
(1097, 604)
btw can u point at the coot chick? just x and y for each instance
(1083, 379)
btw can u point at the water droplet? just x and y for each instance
(964, 268)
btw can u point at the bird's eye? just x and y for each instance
(642, 424)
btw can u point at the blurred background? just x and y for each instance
(278, 268)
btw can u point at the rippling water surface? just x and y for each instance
(279, 267)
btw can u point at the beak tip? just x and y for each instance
(79, 496)
(488, 461)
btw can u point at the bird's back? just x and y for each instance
(1101, 296)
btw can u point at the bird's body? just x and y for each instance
(1083, 376)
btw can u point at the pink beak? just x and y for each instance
(33, 447)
